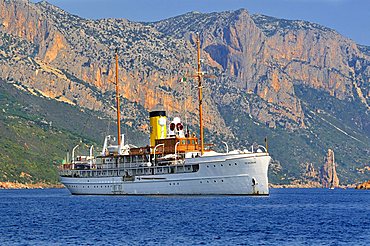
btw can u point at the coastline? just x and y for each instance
(309, 186)
(38, 185)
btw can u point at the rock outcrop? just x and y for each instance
(15, 185)
(328, 174)
(364, 186)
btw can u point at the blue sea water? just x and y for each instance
(286, 217)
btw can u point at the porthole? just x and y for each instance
(178, 184)
(222, 180)
(229, 164)
(207, 166)
(214, 181)
(214, 165)
(236, 164)
(201, 182)
(207, 181)
(222, 165)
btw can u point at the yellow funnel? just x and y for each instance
(158, 130)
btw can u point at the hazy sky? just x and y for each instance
(349, 17)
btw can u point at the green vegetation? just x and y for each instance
(36, 134)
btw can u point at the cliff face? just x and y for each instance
(319, 57)
(259, 62)
(268, 56)
(233, 43)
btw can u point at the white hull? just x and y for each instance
(238, 174)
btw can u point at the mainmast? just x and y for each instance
(118, 103)
(200, 92)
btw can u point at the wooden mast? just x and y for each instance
(118, 103)
(200, 92)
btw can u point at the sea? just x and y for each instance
(286, 217)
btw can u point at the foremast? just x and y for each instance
(200, 93)
(118, 104)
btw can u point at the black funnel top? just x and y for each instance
(157, 113)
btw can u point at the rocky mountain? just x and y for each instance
(302, 85)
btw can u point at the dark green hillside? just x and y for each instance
(36, 133)
(330, 123)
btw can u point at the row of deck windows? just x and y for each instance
(127, 159)
(95, 186)
(208, 181)
(223, 165)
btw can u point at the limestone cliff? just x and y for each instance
(262, 55)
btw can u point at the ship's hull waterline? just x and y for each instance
(243, 174)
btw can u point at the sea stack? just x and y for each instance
(328, 174)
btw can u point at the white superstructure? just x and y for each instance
(236, 173)
(217, 173)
